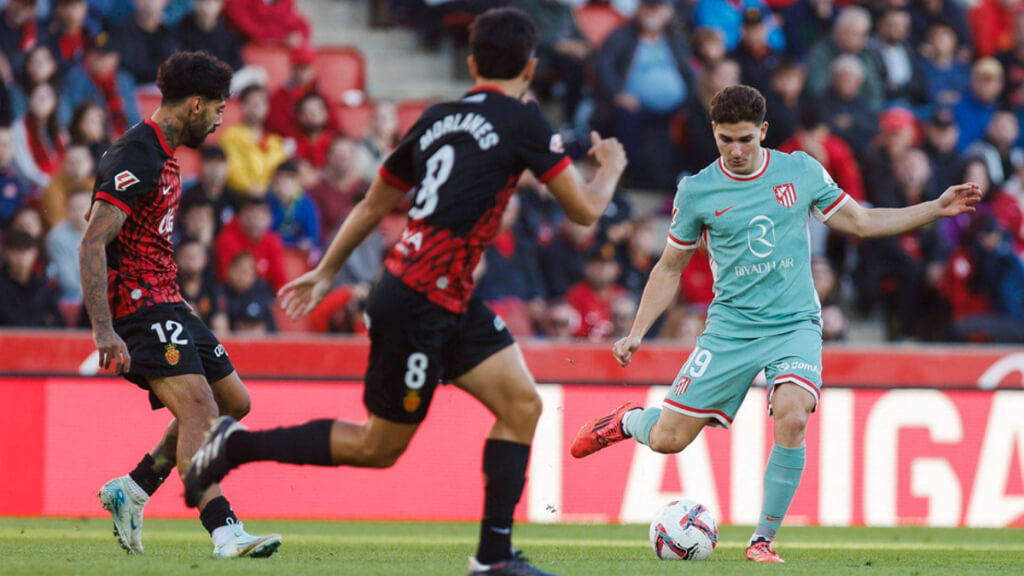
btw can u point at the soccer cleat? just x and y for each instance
(126, 511)
(602, 432)
(517, 565)
(210, 463)
(243, 545)
(761, 551)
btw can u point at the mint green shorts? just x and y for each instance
(715, 379)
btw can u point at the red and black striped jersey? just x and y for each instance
(139, 175)
(463, 159)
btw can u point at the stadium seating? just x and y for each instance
(273, 59)
(339, 70)
(597, 22)
(354, 119)
(409, 112)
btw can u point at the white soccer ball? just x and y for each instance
(684, 530)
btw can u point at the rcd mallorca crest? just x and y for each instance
(785, 194)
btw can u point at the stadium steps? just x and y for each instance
(396, 67)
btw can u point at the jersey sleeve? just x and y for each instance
(684, 231)
(125, 175)
(540, 149)
(827, 197)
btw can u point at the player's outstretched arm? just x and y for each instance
(583, 202)
(105, 221)
(661, 289)
(853, 218)
(301, 296)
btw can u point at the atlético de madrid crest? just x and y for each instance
(785, 194)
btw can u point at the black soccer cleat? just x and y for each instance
(517, 565)
(210, 463)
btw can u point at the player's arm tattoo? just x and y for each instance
(105, 223)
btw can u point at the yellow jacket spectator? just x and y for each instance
(252, 153)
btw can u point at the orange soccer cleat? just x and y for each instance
(602, 432)
(761, 551)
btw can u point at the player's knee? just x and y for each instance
(529, 407)
(381, 456)
(668, 441)
(791, 423)
(238, 407)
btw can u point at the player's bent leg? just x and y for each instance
(505, 386)
(673, 431)
(232, 396)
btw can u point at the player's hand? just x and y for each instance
(608, 152)
(623, 349)
(113, 351)
(300, 296)
(959, 199)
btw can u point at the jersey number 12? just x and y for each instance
(439, 169)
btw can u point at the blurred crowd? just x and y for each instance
(898, 99)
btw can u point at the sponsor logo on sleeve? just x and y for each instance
(125, 180)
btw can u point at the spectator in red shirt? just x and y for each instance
(814, 137)
(19, 31)
(283, 101)
(314, 136)
(268, 21)
(339, 186)
(250, 232)
(992, 23)
(593, 297)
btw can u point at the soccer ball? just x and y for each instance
(684, 530)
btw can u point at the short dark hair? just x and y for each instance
(502, 41)
(212, 152)
(735, 104)
(194, 74)
(287, 167)
(313, 95)
(253, 201)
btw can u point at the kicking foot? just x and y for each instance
(761, 551)
(243, 545)
(517, 565)
(210, 464)
(118, 498)
(602, 432)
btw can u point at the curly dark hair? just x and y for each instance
(193, 74)
(502, 41)
(736, 104)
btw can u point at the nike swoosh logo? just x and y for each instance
(505, 531)
(167, 190)
(720, 212)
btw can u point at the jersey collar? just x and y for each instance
(753, 176)
(160, 136)
(487, 88)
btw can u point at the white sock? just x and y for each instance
(222, 535)
(135, 491)
(625, 421)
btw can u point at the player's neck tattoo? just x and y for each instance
(173, 130)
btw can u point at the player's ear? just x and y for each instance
(529, 70)
(471, 63)
(764, 130)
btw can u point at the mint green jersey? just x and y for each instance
(755, 228)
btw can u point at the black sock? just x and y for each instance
(504, 476)
(149, 475)
(309, 443)
(216, 514)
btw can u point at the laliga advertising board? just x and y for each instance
(945, 448)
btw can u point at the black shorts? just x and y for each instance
(415, 344)
(169, 340)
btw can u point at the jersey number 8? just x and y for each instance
(439, 169)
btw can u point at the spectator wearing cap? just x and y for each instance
(281, 119)
(940, 138)
(897, 135)
(592, 297)
(268, 22)
(814, 137)
(313, 135)
(14, 190)
(998, 147)
(849, 38)
(70, 31)
(39, 141)
(643, 79)
(250, 232)
(204, 29)
(901, 73)
(562, 50)
(295, 217)
(62, 245)
(252, 153)
(728, 17)
(975, 109)
(76, 173)
(19, 31)
(782, 101)
(847, 110)
(211, 185)
(701, 149)
(26, 299)
(805, 22)
(339, 188)
(945, 76)
(1012, 61)
(145, 41)
(754, 54)
(249, 299)
(100, 80)
(380, 139)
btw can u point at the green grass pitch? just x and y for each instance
(177, 547)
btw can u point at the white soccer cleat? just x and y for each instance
(242, 545)
(126, 510)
